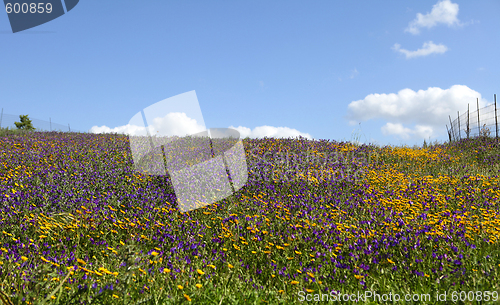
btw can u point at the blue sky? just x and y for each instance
(390, 71)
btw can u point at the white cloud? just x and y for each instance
(173, 124)
(396, 129)
(127, 129)
(420, 131)
(427, 109)
(443, 12)
(178, 124)
(427, 49)
(425, 132)
(270, 131)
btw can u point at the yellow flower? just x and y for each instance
(24, 258)
(180, 287)
(200, 272)
(309, 290)
(166, 270)
(229, 265)
(81, 261)
(358, 276)
(310, 274)
(105, 271)
(298, 253)
(390, 261)
(115, 296)
(154, 253)
(199, 285)
(299, 271)
(187, 298)
(294, 282)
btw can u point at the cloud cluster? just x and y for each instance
(420, 131)
(427, 109)
(443, 12)
(427, 49)
(179, 124)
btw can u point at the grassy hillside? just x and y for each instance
(323, 218)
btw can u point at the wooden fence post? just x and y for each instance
(496, 120)
(451, 127)
(449, 133)
(468, 130)
(478, 124)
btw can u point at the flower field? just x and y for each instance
(79, 226)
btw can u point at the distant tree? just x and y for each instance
(25, 123)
